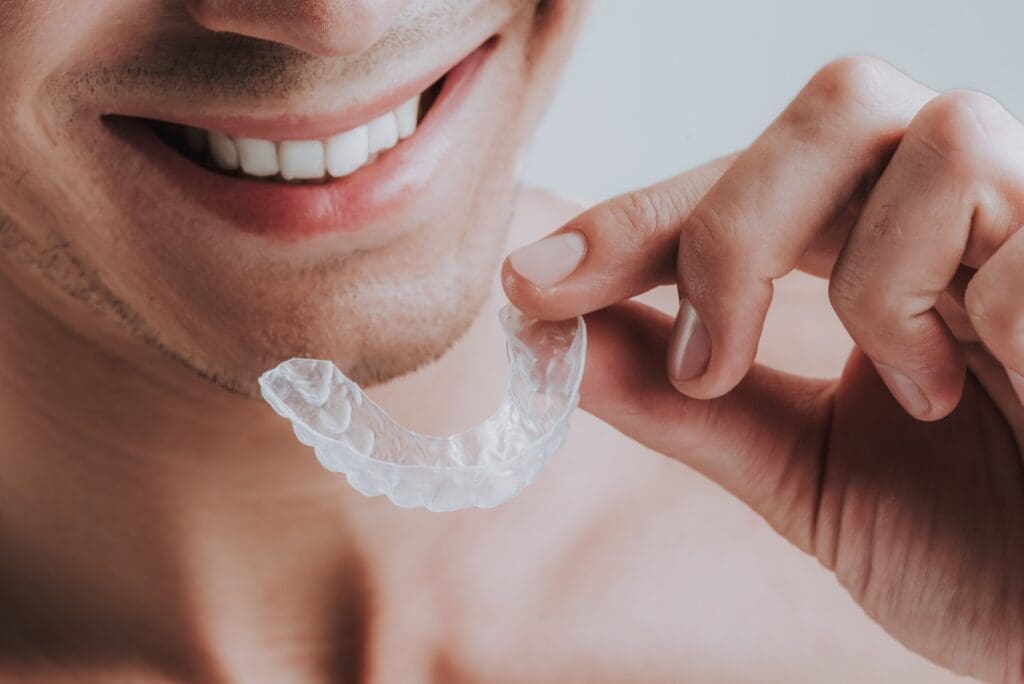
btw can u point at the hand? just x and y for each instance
(904, 476)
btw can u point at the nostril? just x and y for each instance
(320, 27)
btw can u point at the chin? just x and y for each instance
(373, 331)
(376, 313)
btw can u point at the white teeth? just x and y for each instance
(348, 151)
(383, 132)
(257, 157)
(224, 151)
(338, 155)
(301, 159)
(406, 115)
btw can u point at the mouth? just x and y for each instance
(298, 160)
(296, 176)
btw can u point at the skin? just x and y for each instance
(908, 202)
(158, 523)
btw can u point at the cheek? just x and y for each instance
(556, 25)
(47, 199)
(552, 31)
(40, 36)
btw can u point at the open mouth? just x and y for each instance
(307, 161)
(297, 175)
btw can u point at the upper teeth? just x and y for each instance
(338, 155)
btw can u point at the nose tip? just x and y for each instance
(320, 27)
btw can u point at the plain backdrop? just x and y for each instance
(658, 86)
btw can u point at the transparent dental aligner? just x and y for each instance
(483, 466)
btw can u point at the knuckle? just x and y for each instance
(960, 129)
(644, 215)
(843, 292)
(705, 236)
(860, 99)
(850, 298)
(850, 82)
(869, 310)
(990, 314)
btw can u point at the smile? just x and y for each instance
(296, 176)
(335, 156)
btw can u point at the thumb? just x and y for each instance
(763, 441)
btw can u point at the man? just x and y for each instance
(193, 191)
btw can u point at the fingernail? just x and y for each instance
(547, 262)
(690, 348)
(1017, 380)
(905, 390)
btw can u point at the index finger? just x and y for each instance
(611, 252)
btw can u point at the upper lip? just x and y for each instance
(293, 126)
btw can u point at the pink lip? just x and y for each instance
(295, 127)
(293, 212)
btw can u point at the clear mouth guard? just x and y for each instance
(483, 466)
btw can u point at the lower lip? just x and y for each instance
(350, 204)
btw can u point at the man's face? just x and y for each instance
(114, 224)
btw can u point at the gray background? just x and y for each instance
(658, 86)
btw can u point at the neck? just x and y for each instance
(150, 518)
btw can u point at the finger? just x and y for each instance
(780, 204)
(611, 252)
(934, 199)
(763, 441)
(994, 306)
